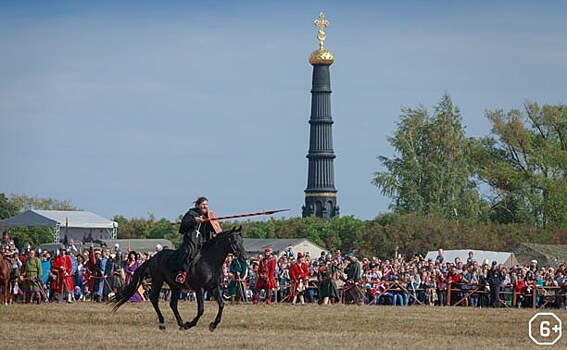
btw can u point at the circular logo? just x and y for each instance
(545, 328)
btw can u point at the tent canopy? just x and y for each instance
(279, 245)
(138, 245)
(505, 258)
(63, 218)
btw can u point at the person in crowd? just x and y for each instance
(78, 294)
(130, 267)
(118, 251)
(506, 286)
(62, 267)
(327, 275)
(519, 286)
(252, 278)
(464, 285)
(6, 238)
(266, 276)
(32, 274)
(442, 284)
(470, 258)
(415, 285)
(440, 258)
(396, 291)
(298, 273)
(289, 252)
(322, 258)
(453, 281)
(431, 290)
(117, 275)
(71, 247)
(495, 279)
(79, 276)
(237, 287)
(102, 271)
(353, 274)
(484, 298)
(474, 287)
(46, 269)
(12, 255)
(282, 278)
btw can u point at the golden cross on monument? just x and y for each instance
(321, 23)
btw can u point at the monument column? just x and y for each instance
(320, 194)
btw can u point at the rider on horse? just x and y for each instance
(196, 230)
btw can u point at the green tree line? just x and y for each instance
(520, 166)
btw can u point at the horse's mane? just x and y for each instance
(213, 241)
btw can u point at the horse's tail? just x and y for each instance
(132, 287)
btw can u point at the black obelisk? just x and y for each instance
(320, 194)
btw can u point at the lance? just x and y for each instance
(268, 212)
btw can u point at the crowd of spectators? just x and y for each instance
(71, 273)
(76, 273)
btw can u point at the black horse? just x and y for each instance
(204, 275)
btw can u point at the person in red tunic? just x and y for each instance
(62, 267)
(266, 276)
(299, 272)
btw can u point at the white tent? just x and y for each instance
(255, 246)
(76, 225)
(505, 258)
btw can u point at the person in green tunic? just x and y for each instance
(33, 272)
(353, 276)
(326, 275)
(237, 288)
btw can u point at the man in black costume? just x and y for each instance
(494, 279)
(197, 230)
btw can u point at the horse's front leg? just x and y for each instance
(220, 301)
(200, 309)
(173, 304)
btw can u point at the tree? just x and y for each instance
(433, 174)
(7, 208)
(25, 202)
(524, 161)
(133, 228)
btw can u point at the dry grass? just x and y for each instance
(86, 326)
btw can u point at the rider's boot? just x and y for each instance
(181, 277)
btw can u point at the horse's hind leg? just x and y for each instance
(173, 304)
(5, 292)
(220, 301)
(154, 298)
(200, 309)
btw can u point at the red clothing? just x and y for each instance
(519, 286)
(266, 274)
(453, 277)
(298, 274)
(62, 267)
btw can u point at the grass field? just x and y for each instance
(90, 326)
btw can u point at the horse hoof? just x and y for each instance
(212, 326)
(162, 326)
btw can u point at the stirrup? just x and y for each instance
(180, 278)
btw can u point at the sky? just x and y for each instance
(138, 107)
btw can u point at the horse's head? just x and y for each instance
(236, 243)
